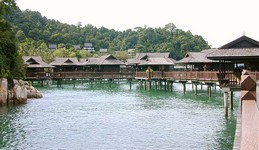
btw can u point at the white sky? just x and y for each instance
(218, 21)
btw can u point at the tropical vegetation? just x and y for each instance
(28, 33)
(35, 32)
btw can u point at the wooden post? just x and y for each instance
(196, 89)
(149, 84)
(192, 87)
(231, 100)
(226, 103)
(91, 82)
(184, 86)
(165, 85)
(209, 89)
(130, 83)
(74, 82)
(160, 84)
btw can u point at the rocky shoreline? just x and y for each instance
(17, 92)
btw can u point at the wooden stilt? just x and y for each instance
(184, 86)
(145, 85)
(209, 89)
(196, 92)
(74, 82)
(231, 100)
(149, 85)
(130, 83)
(226, 104)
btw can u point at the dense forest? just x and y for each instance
(11, 63)
(34, 33)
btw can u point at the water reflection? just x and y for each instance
(115, 117)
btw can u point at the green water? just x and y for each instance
(113, 116)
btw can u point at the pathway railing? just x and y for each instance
(247, 130)
(81, 75)
(207, 76)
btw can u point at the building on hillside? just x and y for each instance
(77, 47)
(89, 47)
(131, 53)
(199, 61)
(106, 63)
(36, 66)
(53, 46)
(104, 51)
(157, 61)
(66, 64)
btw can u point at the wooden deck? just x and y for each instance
(247, 128)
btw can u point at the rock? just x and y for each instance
(3, 91)
(31, 91)
(20, 92)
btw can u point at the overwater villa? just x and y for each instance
(157, 61)
(66, 64)
(106, 63)
(35, 65)
(198, 61)
(244, 52)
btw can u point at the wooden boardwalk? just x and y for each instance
(247, 128)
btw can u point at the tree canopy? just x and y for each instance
(34, 32)
(11, 63)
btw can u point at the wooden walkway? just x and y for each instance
(202, 76)
(247, 128)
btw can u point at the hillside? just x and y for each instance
(34, 32)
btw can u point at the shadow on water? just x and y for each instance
(155, 99)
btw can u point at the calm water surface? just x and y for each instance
(114, 117)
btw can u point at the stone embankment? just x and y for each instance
(16, 92)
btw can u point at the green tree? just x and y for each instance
(11, 64)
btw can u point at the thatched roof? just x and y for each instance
(235, 54)
(154, 55)
(197, 57)
(151, 59)
(242, 42)
(60, 61)
(158, 61)
(243, 48)
(103, 60)
(134, 61)
(35, 62)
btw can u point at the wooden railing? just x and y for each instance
(81, 75)
(247, 131)
(210, 76)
